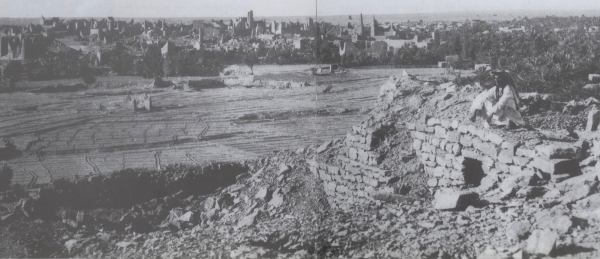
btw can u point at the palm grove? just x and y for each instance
(554, 54)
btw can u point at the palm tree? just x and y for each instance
(483, 76)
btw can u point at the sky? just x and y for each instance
(234, 8)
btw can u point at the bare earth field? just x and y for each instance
(92, 131)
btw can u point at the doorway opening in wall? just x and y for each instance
(473, 172)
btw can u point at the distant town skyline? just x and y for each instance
(268, 8)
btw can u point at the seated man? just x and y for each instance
(501, 100)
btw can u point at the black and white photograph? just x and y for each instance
(300, 129)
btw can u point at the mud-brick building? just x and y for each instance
(22, 47)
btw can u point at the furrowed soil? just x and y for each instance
(92, 131)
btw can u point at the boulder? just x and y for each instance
(591, 202)
(277, 198)
(73, 244)
(283, 169)
(516, 181)
(541, 242)
(262, 194)
(487, 183)
(186, 217)
(556, 166)
(517, 231)
(248, 220)
(559, 150)
(323, 147)
(212, 214)
(448, 199)
(554, 220)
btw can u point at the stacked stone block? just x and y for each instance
(444, 146)
(353, 179)
(361, 142)
(352, 184)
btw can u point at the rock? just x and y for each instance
(591, 202)
(277, 198)
(448, 199)
(517, 231)
(389, 86)
(72, 244)
(556, 166)
(427, 224)
(323, 147)
(516, 181)
(487, 183)
(554, 220)
(125, 245)
(541, 242)
(248, 220)
(71, 223)
(559, 150)
(462, 220)
(8, 218)
(592, 120)
(242, 177)
(283, 169)
(210, 215)
(262, 194)
(186, 217)
(575, 194)
(82, 217)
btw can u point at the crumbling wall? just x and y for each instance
(461, 161)
(353, 179)
(140, 103)
(458, 157)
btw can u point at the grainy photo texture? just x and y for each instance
(299, 129)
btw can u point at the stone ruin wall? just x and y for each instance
(458, 158)
(455, 156)
(453, 153)
(353, 179)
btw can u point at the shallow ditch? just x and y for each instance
(134, 186)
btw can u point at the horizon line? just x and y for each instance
(320, 15)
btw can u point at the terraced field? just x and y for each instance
(93, 131)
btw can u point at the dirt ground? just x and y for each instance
(90, 130)
(271, 204)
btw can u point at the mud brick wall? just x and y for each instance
(458, 156)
